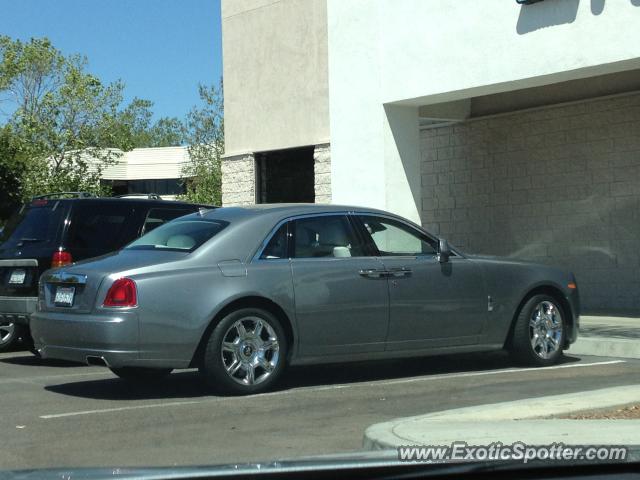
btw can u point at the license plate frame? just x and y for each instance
(64, 296)
(18, 276)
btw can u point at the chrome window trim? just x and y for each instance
(411, 227)
(265, 242)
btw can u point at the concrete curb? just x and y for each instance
(606, 347)
(511, 422)
(604, 336)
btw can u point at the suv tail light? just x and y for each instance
(60, 259)
(123, 293)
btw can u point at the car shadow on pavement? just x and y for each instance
(188, 384)
(28, 359)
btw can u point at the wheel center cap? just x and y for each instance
(247, 350)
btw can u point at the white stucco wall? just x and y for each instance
(417, 52)
(275, 74)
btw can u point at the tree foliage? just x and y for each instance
(205, 134)
(62, 125)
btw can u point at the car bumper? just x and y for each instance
(112, 337)
(17, 309)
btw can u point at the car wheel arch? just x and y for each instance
(246, 302)
(545, 289)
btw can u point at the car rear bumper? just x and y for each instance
(75, 337)
(17, 309)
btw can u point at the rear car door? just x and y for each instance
(341, 300)
(431, 304)
(26, 246)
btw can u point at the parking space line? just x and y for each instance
(333, 387)
(119, 409)
(39, 378)
(493, 372)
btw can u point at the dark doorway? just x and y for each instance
(285, 176)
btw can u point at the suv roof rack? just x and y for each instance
(150, 196)
(64, 194)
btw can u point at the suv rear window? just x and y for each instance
(36, 223)
(179, 235)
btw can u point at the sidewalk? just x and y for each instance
(525, 421)
(608, 337)
(528, 420)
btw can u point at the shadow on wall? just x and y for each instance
(555, 12)
(600, 247)
(547, 14)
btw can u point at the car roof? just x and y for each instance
(115, 200)
(278, 211)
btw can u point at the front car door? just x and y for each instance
(431, 304)
(341, 298)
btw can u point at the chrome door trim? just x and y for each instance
(64, 277)
(19, 263)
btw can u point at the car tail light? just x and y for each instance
(60, 259)
(123, 293)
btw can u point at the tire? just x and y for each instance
(10, 334)
(141, 374)
(539, 332)
(242, 358)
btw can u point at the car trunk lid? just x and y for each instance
(75, 288)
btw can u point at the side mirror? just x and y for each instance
(444, 251)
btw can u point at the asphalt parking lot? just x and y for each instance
(58, 414)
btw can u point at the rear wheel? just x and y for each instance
(10, 334)
(539, 332)
(141, 374)
(245, 352)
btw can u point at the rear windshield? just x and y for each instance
(36, 223)
(180, 235)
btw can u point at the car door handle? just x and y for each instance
(373, 273)
(399, 272)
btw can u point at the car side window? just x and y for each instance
(325, 236)
(99, 227)
(393, 238)
(278, 245)
(158, 216)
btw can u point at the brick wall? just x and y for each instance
(558, 185)
(322, 173)
(238, 180)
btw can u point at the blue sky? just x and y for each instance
(161, 49)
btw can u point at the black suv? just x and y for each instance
(55, 230)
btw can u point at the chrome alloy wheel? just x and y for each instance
(7, 333)
(545, 329)
(250, 351)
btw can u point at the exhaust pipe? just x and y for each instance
(97, 361)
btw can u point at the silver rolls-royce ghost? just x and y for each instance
(241, 293)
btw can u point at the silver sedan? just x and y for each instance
(241, 293)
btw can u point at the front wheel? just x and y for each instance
(539, 332)
(245, 352)
(141, 374)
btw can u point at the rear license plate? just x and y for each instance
(64, 296)
(17, 277)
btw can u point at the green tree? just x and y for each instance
(60, 116)
(12, 164)
(205, 134)
(64, 124)
(137, 130)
